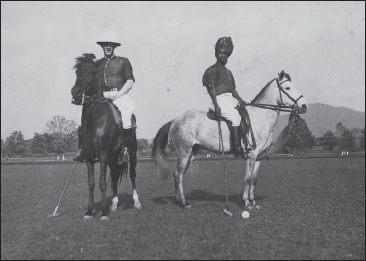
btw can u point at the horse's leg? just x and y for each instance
(133, 163)
(91, 185)
(253, 185)
(178, 181)
(114, 183)
(103, 188)
(249, 166)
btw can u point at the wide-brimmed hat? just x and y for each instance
(108, 37)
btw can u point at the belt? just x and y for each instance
(112, 90)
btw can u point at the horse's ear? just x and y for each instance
(280, 75)
(288, 77)
(90, 56)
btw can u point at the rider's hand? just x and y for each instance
(241, 103)
(108, 95)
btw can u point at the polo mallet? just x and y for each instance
(55, 212)
(223, 157)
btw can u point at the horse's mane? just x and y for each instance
(281, 76)
(87, 58)
(261, 92)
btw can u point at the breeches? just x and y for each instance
(127, 106)
(227, 103)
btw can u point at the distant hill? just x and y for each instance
(322, 117)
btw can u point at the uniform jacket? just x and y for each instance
(114, 72)
(220, 77)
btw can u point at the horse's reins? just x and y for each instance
(290, 108)
(281, 107)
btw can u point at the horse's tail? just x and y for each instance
(159, 143)
(125, 168)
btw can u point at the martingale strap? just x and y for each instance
(280, 140)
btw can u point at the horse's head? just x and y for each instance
(289, 95)
(86, 79)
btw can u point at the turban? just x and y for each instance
(225, 44)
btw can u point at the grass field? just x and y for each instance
(312, 209)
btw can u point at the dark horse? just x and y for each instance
(101, 135)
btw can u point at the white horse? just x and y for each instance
(194, 130)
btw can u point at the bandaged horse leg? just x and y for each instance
(133, 163)
(253, 185)
(114, 184)
(178, 180)
(248, 178)
(103, 189)
(91, 185)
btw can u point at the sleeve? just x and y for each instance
(127, 71)
(205, 81)
(213, 76)
(232, 80)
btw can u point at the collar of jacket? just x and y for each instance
(109, 58)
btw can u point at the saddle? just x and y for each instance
(245, 126)
(117, 116)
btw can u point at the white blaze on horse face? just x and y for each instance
(292, 91)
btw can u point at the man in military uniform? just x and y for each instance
(116, 79)
(220, 84)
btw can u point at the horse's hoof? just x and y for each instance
(188, 206)
(249, 207)
(87, 217)
(138, 206)
(258, 207)
(104, 218)
(113, 209)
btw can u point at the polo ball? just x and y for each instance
(245, 214)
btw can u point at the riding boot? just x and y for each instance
(237, 148)
(124, 155)
(79, 157)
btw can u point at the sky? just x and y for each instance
(170, 45)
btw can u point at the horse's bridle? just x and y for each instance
(281, 107)
(87, 89)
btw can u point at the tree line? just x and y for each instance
(61, 136)
(301, 139)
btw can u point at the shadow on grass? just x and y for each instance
(202, 195)
(125, 201)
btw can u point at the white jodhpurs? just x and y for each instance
(227, 103)
(126, 105)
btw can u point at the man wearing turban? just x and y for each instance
(220, 84)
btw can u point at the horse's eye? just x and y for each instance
(287, 88)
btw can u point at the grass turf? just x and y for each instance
(312, 209)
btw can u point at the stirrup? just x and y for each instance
(123, 157)
(238, 152)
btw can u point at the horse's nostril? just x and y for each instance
(76, 92)
(304, 107)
